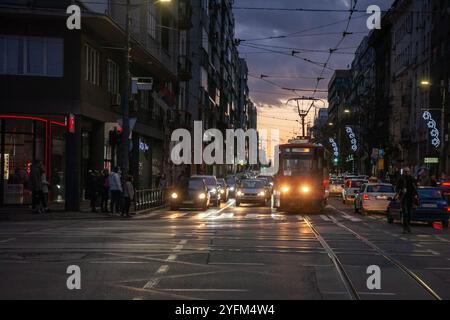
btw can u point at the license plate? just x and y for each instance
(382, 198)
(430, 206)
(189, 202)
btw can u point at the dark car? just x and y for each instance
(444, 186)
(232, 182)
(223, 189)
(432, 207)
(193, 195)
(213, 188)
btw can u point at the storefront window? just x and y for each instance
(24, 141)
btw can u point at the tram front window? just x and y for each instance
(297, 167)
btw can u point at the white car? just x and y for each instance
(374, 197)
(351, 188)
(335, 187)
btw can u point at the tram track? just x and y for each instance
(351, 289)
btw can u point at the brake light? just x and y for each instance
(366, 196)
(448, 210)
(446, 184)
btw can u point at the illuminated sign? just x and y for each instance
(6, 167)
(431, 160)
(352, 138)
(434, 132)
(335, 147)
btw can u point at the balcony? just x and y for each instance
(184, 68)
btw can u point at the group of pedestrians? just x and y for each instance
(110, 188)
(39, 188)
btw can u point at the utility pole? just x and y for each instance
(125, 96)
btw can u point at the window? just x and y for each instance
(33, 56)
(204, 79)
(144, 100)
(151, 26)
(113, 77)
(92, 65)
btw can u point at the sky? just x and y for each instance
(286, 71)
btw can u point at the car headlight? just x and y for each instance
(202, 196)
(213, 191)
(239, 193)
(174, 195)
(285, 189)
(232, 189)
(222, 191)
(262, 194)
(306, 189)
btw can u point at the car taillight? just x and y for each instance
(446, 184)
(366, 196)
(447, 209)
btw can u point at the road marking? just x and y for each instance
(205, 290)
(378, 293)
(252, 216)
(346, 215)
(7, 240)
(324, 218)
(433, 252)
(163, 269)
(236, 264)
(151, 283)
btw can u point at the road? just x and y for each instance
(227, 253)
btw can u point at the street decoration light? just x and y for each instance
(352, 138)
(434, 132)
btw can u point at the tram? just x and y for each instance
(301, 184)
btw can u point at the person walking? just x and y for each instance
(36, 186)
(128, 194)
(45, 190)
(115, 187)
(407, 190)
(105, 191)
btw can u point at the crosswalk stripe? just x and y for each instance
(324, 218)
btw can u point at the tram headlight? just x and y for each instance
(305, 189)
(285, 189)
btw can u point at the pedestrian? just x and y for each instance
(45, 190)
(128, 194)
(104, 190)
(407, 190)
(91, 190)
(36, 186)
(115, 187)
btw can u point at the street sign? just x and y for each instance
(431, 160)
(141, 84)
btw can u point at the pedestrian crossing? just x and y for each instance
(228, 215)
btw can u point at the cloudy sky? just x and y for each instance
(305, 32)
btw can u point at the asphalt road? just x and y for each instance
(228, 253)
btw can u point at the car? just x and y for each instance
(444, 186)
(232, 182)
(374, 197)
(193, 195)
(269, 187)
(251, 191)
(224, 190)
(213, 188)
(351, 187)
(432, 207)
(336, 187)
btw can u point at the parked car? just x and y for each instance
(251, 191)
(194, 195)
(351, 188)
(444, 186)
(223, 189)
(213, 189)
(432, 207)
(336, 187)
(374, 197)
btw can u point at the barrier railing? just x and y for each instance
(148, 199)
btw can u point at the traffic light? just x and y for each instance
(336, 161)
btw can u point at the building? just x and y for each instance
(410, 64)
(440, 74)
(62, 98)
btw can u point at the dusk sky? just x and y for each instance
(305, 32)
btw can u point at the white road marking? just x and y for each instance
(151, 283)
(172, 257)
(7, 240)
(324, 218)
(163, 269)
(205, 290)
(237, 264)
(252, 216)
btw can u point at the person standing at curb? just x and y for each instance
(36, 186)
(44, 196)
(105, 191)
(407, 190)
(115, 186)
(128, 194)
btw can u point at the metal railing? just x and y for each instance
(148, 199)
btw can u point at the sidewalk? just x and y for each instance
(25, 214)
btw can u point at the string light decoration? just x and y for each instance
(434, 132)
(335, 147)
(352, 138)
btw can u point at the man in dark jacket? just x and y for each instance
(36, 185)
(407, 190)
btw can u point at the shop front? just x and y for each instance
(24, 140)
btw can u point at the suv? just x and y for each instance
(213, 188)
